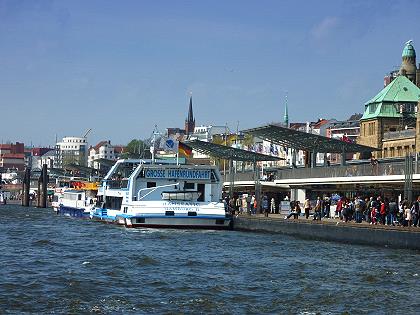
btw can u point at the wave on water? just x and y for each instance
(51, 265)
(44, 242)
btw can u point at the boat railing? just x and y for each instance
(152, 189)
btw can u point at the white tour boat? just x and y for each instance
(138, 193)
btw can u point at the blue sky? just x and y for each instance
(120, 67)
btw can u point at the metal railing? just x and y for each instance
(383, 168)
(344, 171)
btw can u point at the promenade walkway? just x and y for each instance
(332, 230)
(329, 221)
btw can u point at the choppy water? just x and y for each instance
(53, 265)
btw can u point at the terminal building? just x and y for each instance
(391, 119)
(387, 135)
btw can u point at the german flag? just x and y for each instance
(184, 150)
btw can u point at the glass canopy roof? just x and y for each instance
(305, 141)
(229, 153)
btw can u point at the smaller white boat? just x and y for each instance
(76, 203)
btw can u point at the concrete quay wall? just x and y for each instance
(398, 237)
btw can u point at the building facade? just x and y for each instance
(41, 156)
(103, 150)
(71, 150)
(389, 120)
(12, 156)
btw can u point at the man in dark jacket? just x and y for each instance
(393, 210)
(416, 212)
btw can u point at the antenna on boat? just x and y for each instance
(152, 148)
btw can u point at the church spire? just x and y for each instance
(190, 121)
(286, 114)
(190, 111)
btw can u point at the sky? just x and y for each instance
(122, 67)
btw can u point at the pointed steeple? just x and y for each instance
(286, 115)
(190, 121)
(190, 111)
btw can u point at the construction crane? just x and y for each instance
(87, 132)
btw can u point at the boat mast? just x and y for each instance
(155, 133)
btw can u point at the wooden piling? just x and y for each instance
(39, 193)
(44, 186)
(26, 187)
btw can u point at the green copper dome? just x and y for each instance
(408, 50)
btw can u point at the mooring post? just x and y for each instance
(26, 186)
(39, 193)
(44, 186)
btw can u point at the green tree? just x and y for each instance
(136, 149)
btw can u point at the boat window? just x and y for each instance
(189, 185)
(192, 213)
(113, 202)
(79, 197)
(99, 201)
(171, 213)
(201, 188)
(151, 184)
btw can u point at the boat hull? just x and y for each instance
(217, 223)
(73, 212)
(173, 222)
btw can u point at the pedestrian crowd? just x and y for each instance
(249, 204)
(372, 210)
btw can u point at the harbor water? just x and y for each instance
(52, 265)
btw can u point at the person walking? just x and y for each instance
(307, 207)
(393, 210)
(408, 217)
(382, 212)
(232, 205)
(251, 205)
(298, 210)
(273, 205)
(416, 212)
(317, 209)
(368, 209)
(327, 204)
(238, 205)
(339, 208)
(264, 204)
(357, 210)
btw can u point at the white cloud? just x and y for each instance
(324, 28)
